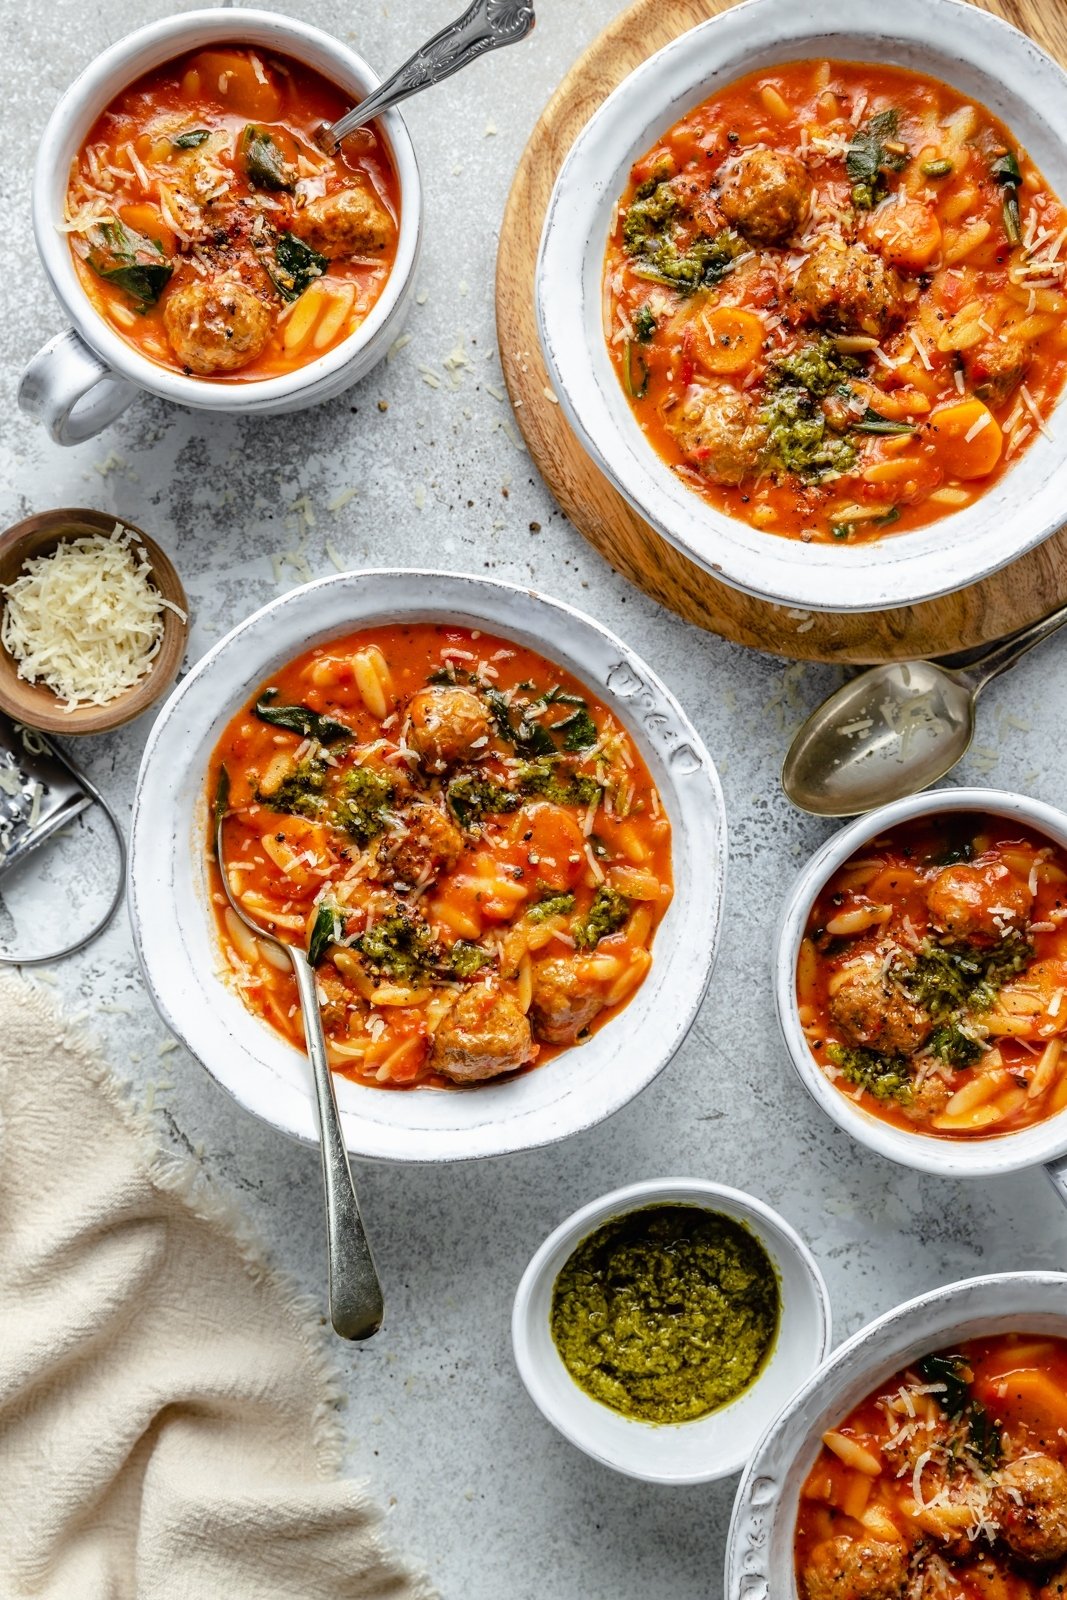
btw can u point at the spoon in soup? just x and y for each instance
(895, 729)
(356, 1304)
(484, 26)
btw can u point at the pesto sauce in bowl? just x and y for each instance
(666, 1313)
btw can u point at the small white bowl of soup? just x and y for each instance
(491, 827)
(800, 292)
(921, 982)
(205, 248)
(927, 1456)
(661, 1327)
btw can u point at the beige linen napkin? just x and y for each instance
(167, 1411)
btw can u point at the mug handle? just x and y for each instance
(68, 388)
(1056, 1172)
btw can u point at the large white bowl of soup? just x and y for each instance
(206, 248)
(927, 1457)
(491, 827)
(920, 979)
(800, 292)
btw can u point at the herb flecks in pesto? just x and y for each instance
(667, 1313)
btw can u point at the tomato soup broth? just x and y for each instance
(834, 296)
(210, 230)
(947, 1483)
(465, 840)
(932, 978)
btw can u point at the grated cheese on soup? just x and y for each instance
(85, 620)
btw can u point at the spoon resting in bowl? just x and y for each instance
(895, 729)
(356, 1303)
(484, 26)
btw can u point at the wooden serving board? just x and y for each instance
(1019, 594)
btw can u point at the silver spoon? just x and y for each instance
(894, 729)
(356, 1304)
(484, 26)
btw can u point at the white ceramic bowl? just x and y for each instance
(84, 378)
(759, 1552)
(978, 54)
(688, 1452)
(951, 1158)
(174, 928)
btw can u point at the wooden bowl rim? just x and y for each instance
(21, 699)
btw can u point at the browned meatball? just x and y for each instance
(216, 326)
(849, 288)
(978, 903)
(485, 1034)
(928, 1100)
(429, 845)
(334, 1007)
(1030, 1503)
(1056, 1587)
(766, 196)
(997, 366)
(565, 999)
(447, 725)
(871, 1010)
(719, 431)
(855, 1569)
(352, 222)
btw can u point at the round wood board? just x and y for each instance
(986, 611)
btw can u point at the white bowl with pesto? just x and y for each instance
(710, 1447)
(174, 926)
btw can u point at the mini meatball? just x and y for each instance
(849, 288)
(334, 1000)
(856, 1569)
(565, 999)
(216, 326)
(766, 196)
(429, 845)
(997, 366)
(447, 725)
(352, 222)
(928, 1099)
(978, 904)
(719, 431)
(1056, 1587)
(485, 1034)
(871, 1010)
(1030, 1503)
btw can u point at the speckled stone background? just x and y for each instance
(478, 1486)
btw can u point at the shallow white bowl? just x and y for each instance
(759, 1552)
(688, 1452)
(951, 1158)
(979, 55)
(174, 928)
(84, 378)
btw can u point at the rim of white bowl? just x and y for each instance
(951, 39)
(93, 89)
(178, 952)
(777, 1236)
(770, 1485)
(949, 1158)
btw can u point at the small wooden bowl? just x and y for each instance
(36, 705)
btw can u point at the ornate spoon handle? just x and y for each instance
(484, 26)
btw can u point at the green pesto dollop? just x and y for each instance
(666, 1313)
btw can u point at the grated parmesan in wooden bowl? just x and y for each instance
(93, 625)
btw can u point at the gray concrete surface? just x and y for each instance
(478, 1486)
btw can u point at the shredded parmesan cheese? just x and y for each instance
(86, 620)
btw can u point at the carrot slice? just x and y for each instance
(907, 236)
(229, 78)
(1029, 1397)
(727, 339)
(147, 219)
(967, 439)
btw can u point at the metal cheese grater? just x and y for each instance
(40, 791)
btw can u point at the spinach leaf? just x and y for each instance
(527, 735)
(644, 324)
(321, 933)
(295, 265)
(959, 1405)
(192, 140)
(264, 161)
(131, 262)
(871, 422)
(1005, 170)
(868, 158)
(300, 719)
